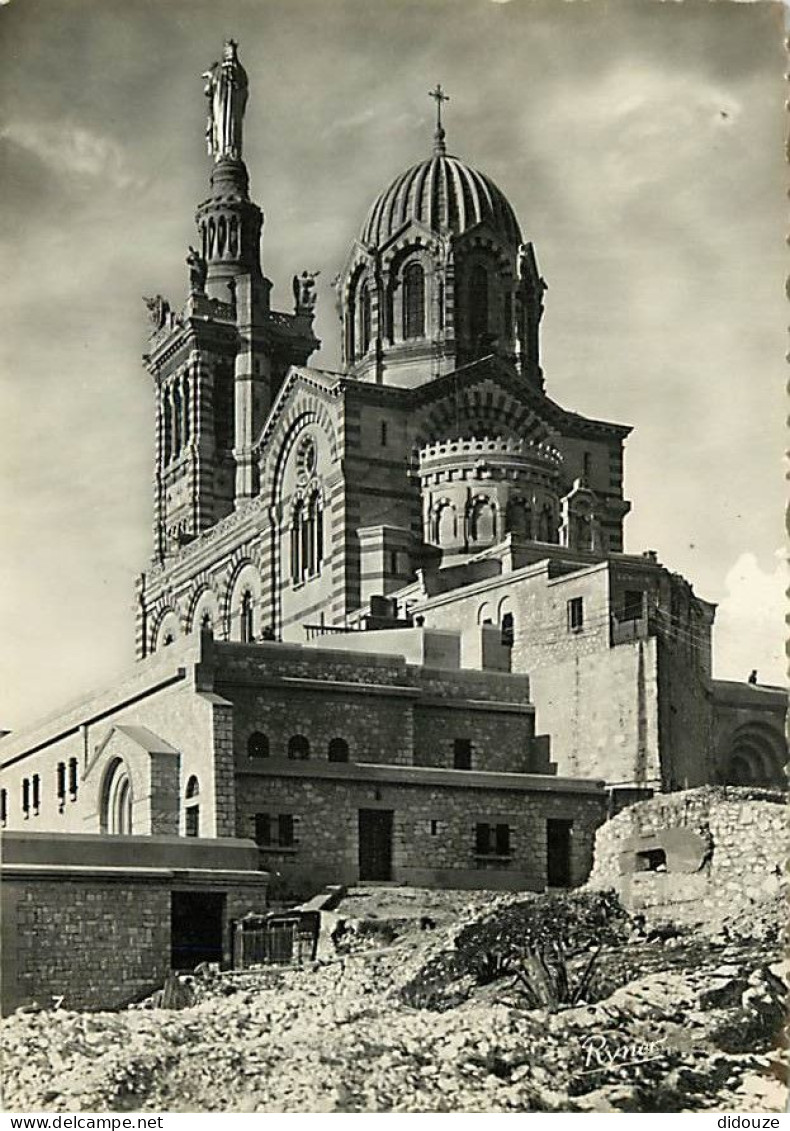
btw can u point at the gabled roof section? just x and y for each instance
(141, 736)
(541, 407)
(328, 384)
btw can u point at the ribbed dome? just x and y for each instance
(443, 194)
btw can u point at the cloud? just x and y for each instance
(73, 150)
(749, 621)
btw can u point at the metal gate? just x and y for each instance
(281, 938)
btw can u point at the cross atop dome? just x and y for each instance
(439, 97)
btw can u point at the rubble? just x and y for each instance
(339, 1036)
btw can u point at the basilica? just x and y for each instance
(389, 629)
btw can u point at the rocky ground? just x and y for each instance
(674, 1021)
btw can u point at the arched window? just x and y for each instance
(508, 629)
(482, 522)
(296, 542)
(192, 807)
(298, 747)
(338, 750)
(445, 525)
(519, 518)
(478, 304)
(245, 614)
(167, 428)
(414, 301)
(178, 421)
(206, 621)
(547, 530)
(116, 816)
(257, 745)
(186, 411)
(364, 318)
(315, 535)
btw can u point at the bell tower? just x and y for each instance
(218, 363)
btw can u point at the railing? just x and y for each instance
(313, 631)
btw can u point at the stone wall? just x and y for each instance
(87, 919)
(498, 743)
(435, 814)
(697, 853)
(92, 944)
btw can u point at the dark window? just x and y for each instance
(502, 840)
(167, 439)
(192, 820)
(36, 793)
(492, 840)
(338, 750)
(296, 542)
(298, 747)
(186, 410)
(383, 433)
(168, 639)
(478, 304)
(313, 537)
(393, 561)
(653, 860)
(285, 830)
(178, 424)
(508, 629)
(245, 614)
(192, 808)
(74, 778)
(414, 301)
(364, 317)
(587, 465)
(434, 828)
(575, 614)
(632, 604)
(462, 754)
(258, 745)
(26, 796)
(3, 807)
(61, 780)
(263, 829)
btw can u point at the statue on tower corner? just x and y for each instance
(305, 296)
(159, 312)
(198, 270)
(226, 90)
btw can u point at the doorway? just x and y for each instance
(558, 853)
(196, 924)
(375, 844)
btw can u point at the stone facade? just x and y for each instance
(435, 818)
(387, 579)
(88, 921)
(701, 853)
(249, 733)
(434, 470)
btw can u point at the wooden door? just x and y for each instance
(375, 844)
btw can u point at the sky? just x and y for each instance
(640, 143)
